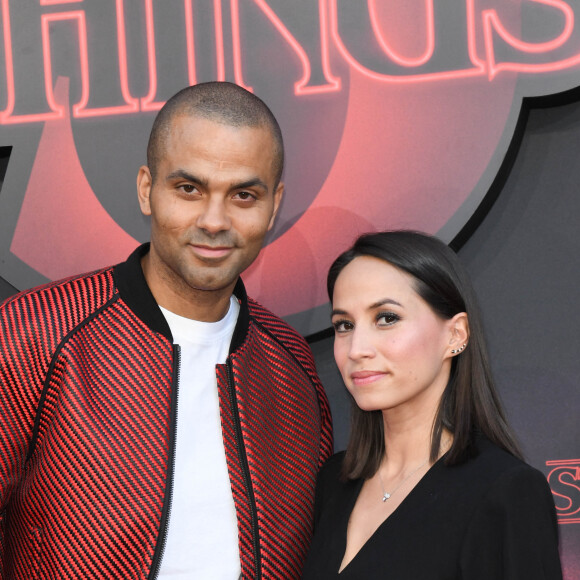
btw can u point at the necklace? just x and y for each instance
(386, 494)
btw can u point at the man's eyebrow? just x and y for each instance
(255, 182)
(182, 174)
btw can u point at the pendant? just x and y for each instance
(386, 496)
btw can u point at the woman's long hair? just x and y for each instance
(470, 404)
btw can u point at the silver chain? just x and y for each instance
(386, 494)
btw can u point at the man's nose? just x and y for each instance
(214, 217)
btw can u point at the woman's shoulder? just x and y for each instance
(513, 508)
(493, 468)
(498, 462)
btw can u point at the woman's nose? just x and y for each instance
(361, 344)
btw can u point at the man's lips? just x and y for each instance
(211, 251)
(360, 378)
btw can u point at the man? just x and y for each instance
(155, 421)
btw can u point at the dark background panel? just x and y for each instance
(525, 263)
(6, 289)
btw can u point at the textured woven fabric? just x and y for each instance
(269, 395)
(86, 424)
(88, 501)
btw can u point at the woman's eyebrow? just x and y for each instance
(384, 301)
(373, 306)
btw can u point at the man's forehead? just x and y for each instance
(194, 124)
(187, 129)
(187, 116)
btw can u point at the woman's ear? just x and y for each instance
(459, 334)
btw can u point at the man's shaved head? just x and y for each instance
(222, 102)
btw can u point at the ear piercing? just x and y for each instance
(458, 350)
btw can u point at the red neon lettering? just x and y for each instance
(57, 110)
(148, 102)
(492, 24)
(190, 42)
(7, 117)
(334, 82)
(183, 48)
(301, 86)
(404, 61)
(564, 480)
(46, 19)
(131, 104)
(377, 60)
(55, 2)
(219, 41)
(80, 109)
(10, 99)
(477, 65)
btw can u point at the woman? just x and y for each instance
(431, 485)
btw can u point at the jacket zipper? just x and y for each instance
(166, 513)
(244, 467)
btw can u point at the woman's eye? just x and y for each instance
(342, 326)
(387, 318)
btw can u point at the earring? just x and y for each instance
(458, 350)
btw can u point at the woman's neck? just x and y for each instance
(408, 430)
(408, 441)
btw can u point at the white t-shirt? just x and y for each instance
(202, 534)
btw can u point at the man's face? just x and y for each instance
(211, 204)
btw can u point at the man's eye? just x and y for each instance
(187, 188)
(245, 195)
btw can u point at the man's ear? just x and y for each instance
(278, 195)
(144, 183)
(459, 334)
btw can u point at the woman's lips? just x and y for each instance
(360, 378)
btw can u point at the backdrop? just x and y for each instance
(394, 116)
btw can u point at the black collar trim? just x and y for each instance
(243, 323)
(133, 289)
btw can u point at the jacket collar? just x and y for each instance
(133, 289)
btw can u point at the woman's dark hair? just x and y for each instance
(469, 405)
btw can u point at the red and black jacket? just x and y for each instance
(87, 425)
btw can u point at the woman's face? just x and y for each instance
(392, 350)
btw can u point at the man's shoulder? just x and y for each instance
(93, 288)
(286, 336)
(38, 319)
(274, 324)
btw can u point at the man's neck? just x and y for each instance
(201, 305)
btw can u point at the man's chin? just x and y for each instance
(217, 285)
